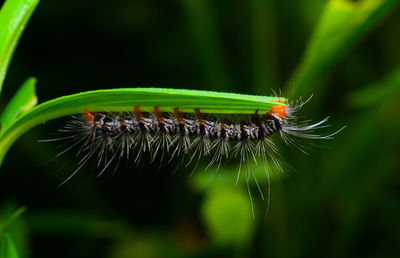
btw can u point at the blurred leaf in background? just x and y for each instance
(341, 24)
(22, 101)
(13, 237)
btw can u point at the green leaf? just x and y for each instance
(228, 176)
(264, 43)
(10, 219)
(341, 24)
(202, 22)
(23, 100)
(377, 92)
(11, 224)
(228, 217)
(7, 247)
(120, 100)
(14, 16)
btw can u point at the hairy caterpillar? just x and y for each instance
(190, 125)
(218, 134)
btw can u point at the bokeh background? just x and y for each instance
(341, 200)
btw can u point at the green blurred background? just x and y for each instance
(342, 200)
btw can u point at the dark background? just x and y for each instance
(342, 200)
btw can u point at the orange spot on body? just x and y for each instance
(136, 111)
(157, 111)
(198, 114)
(177, 113)
(89, 115)
(179, 116)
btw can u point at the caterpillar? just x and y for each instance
(188, 125)
(167, 132)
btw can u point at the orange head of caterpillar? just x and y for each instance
(278, 110)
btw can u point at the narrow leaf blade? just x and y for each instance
(341, 24)
(7, 247)
(22, 101)
(377, 92)
(14, 15)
